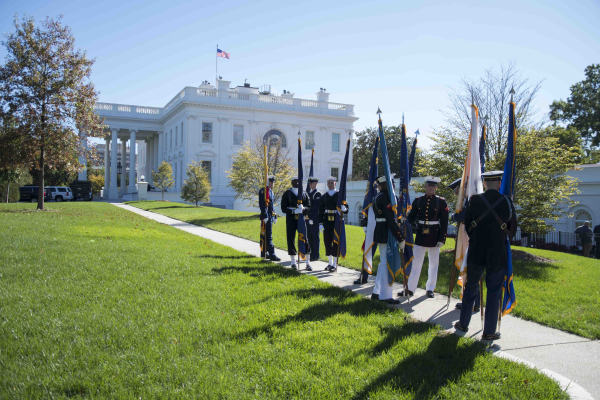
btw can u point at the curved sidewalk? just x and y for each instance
(571, 360)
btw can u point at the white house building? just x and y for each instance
(209, 125)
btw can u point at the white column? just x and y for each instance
(113, 193)
(123, 186)
(132, 162)
(161, 150)
(106, 168)
(149, 158)
(82, 176)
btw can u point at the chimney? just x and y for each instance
(322, 95)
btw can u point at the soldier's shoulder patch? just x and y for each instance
(389, 206)
(379, 211)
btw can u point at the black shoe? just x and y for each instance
(401, 294)
(359, 281)
(476, 309)
(459, 327)
(392, 301)
(274, 258)
(308, 268)
(374, 296)
(294, 267)
(458, 306)
(327, 268)
(492, 336)
(430, 294)
(333, 269)
(314, 259)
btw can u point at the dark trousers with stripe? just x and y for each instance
(493, 283)
(331, 248)
(312, 232)
(291, 228)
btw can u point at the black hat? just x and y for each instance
(492, 176)
(455, 184)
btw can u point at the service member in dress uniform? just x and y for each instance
(384, 217)
(293, 211)
(460, 217)
(490, 217)
(312, 229)
(327, 211)
(430, 213)
(268, 217)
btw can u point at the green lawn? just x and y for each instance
(564, 294)
(97, 302)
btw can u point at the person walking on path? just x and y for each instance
(293, 211)
(385, 219)
(430, 213)
(597, 234)
(490, 217)
(585, 236)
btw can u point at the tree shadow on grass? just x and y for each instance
(223, 220)
(534, 270)
(225, 257)
(425, 373)
(261, 270)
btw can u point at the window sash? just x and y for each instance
(335, 172)
(310, 140)
(335, 142)
(238, 134)
(207, 130)
(207, 166)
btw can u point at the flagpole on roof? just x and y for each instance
(216, 64)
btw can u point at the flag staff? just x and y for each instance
(216, 64)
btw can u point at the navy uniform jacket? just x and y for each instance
(315, 200)
(328, 202)
(429, 208)
(487, 243)
(382, 208)
(264, 211)
(289, 199)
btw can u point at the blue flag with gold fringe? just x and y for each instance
(394, 263)
(507, 188)
(339, 229)
(404, 196)
(411, 160)
(301, 221)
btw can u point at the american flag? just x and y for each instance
(221, 53)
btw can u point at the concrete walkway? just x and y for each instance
(571, 360)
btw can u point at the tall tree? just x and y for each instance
(491, 94)
(196, 186)
(163, 178)
(581, 111)
(363, 150)
(46, 97)
(247, 174)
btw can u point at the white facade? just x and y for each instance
(210, 125)
(588, 208)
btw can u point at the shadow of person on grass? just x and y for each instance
(261, 270)
(223, 220)
(425, 373)
(533, 270)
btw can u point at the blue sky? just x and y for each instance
(398, 55)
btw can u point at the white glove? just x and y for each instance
(321, 227)
(344, 208)
(365, 229)
(274, 220)
(440, 244)
(266, 220)
(310, 222)
(299, 209)
(401, 244)
(403, 218)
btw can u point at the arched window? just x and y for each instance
(273, 136)
(359, 215)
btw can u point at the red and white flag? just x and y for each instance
(221, 53)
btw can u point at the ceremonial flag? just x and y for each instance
(507, 188)
(482, 150)
(312, 156)
(339, 230)
(369, 246)
(469, 185)
(394, 263)
(221, 53)
(407, 255)
(301, 222)
(411, 160)
(263, 225)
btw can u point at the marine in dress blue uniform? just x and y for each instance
(489, 219)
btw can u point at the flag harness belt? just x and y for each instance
(491, 209)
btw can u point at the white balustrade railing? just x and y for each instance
(275, 100)
(309, 103)
(206, 92)
(147, 110)
(124, 108)
(239, 96)
(103, 106)
(337, 106)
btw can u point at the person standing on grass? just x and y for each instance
(489, 219)
(384, 221)
(293, 211)
(597, 234)
(458, 218)
(430, 213)
(268, 217)
(585, 236)
(327, 211)
(312, 230)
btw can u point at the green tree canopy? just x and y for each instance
(196, 186)
(582, 109)
(163, 178)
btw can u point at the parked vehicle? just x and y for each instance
(59, 193)
(82, 190)
(30, 193)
